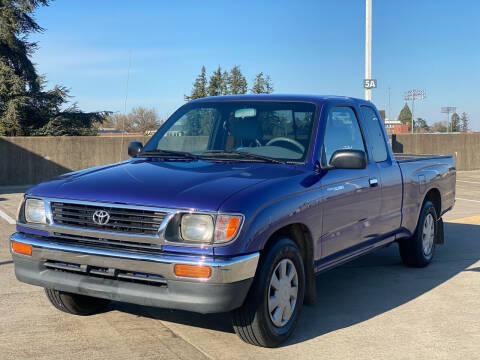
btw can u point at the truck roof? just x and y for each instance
(282, 97)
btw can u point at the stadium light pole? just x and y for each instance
(447, 110)
(414, 94)
(368, 46)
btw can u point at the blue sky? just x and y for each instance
(305, 46)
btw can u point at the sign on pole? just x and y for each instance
(370, 83)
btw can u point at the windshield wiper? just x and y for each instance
(212, 153)
(161, 152)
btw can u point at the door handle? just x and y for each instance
(373, 182)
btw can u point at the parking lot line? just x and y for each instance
(467, 220)
(469, 182)
(477, 201)
(7, 218)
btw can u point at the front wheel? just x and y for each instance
(76, 304)
(418, 250)
(271, 310)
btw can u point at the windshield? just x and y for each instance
(250, 131)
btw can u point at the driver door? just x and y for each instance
(350, 201)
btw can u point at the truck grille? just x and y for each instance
(108, 244)
(134, 221)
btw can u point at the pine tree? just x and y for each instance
(268, 85)
(455, 123)
(237, 83)
(225, 88)
(262, 84)
(215, 84)
(464, 122)
(25, 107)
(405, 115)
(199, 87)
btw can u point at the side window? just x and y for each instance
(377, 140)
(341, 132)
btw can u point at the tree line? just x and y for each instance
(140, 119)
(223, 82)
(456, 123)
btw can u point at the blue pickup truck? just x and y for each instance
(235, 204)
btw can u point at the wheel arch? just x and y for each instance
(433, 195)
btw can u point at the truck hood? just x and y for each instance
(200, 185)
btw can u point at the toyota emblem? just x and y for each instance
(101, 217)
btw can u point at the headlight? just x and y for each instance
(197, 228)
(35, 211)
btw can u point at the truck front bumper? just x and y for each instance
(143, 279)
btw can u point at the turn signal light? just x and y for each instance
(227, 226)
(193, 271)
(21, 248)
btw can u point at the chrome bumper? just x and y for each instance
(224, 270)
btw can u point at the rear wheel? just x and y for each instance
(271, 310)
(76, 304)
(418, 250)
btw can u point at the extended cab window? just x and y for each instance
(341, 132)
(374, 129)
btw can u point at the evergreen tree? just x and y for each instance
(237, 83)
(262, 84)
(225, 88)
(405, 115)
(199, 87)
(455, 123)
(464, 122)
(25, 107)
(268, 85)
(216, 86)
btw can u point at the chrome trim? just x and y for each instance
(224, 270)
(158, 239)
(72, 230)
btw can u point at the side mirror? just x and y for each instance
(134, 148)
(349, 159)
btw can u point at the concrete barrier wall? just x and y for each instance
(464, 147)
(30, 160)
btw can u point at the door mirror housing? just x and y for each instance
(348, 159)
(134, 148)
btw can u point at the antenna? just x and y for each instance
(125, 103)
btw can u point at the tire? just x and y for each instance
(76, 304)
(418, 250)
(253, 322)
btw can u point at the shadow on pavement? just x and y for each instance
(6, 262)
(357, 291)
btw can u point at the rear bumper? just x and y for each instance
(135, 278)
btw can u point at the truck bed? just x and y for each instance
(400, 157)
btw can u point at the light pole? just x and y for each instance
(368, 47)
(447, 110)
(414, 94)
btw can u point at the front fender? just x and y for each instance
(270, 213)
